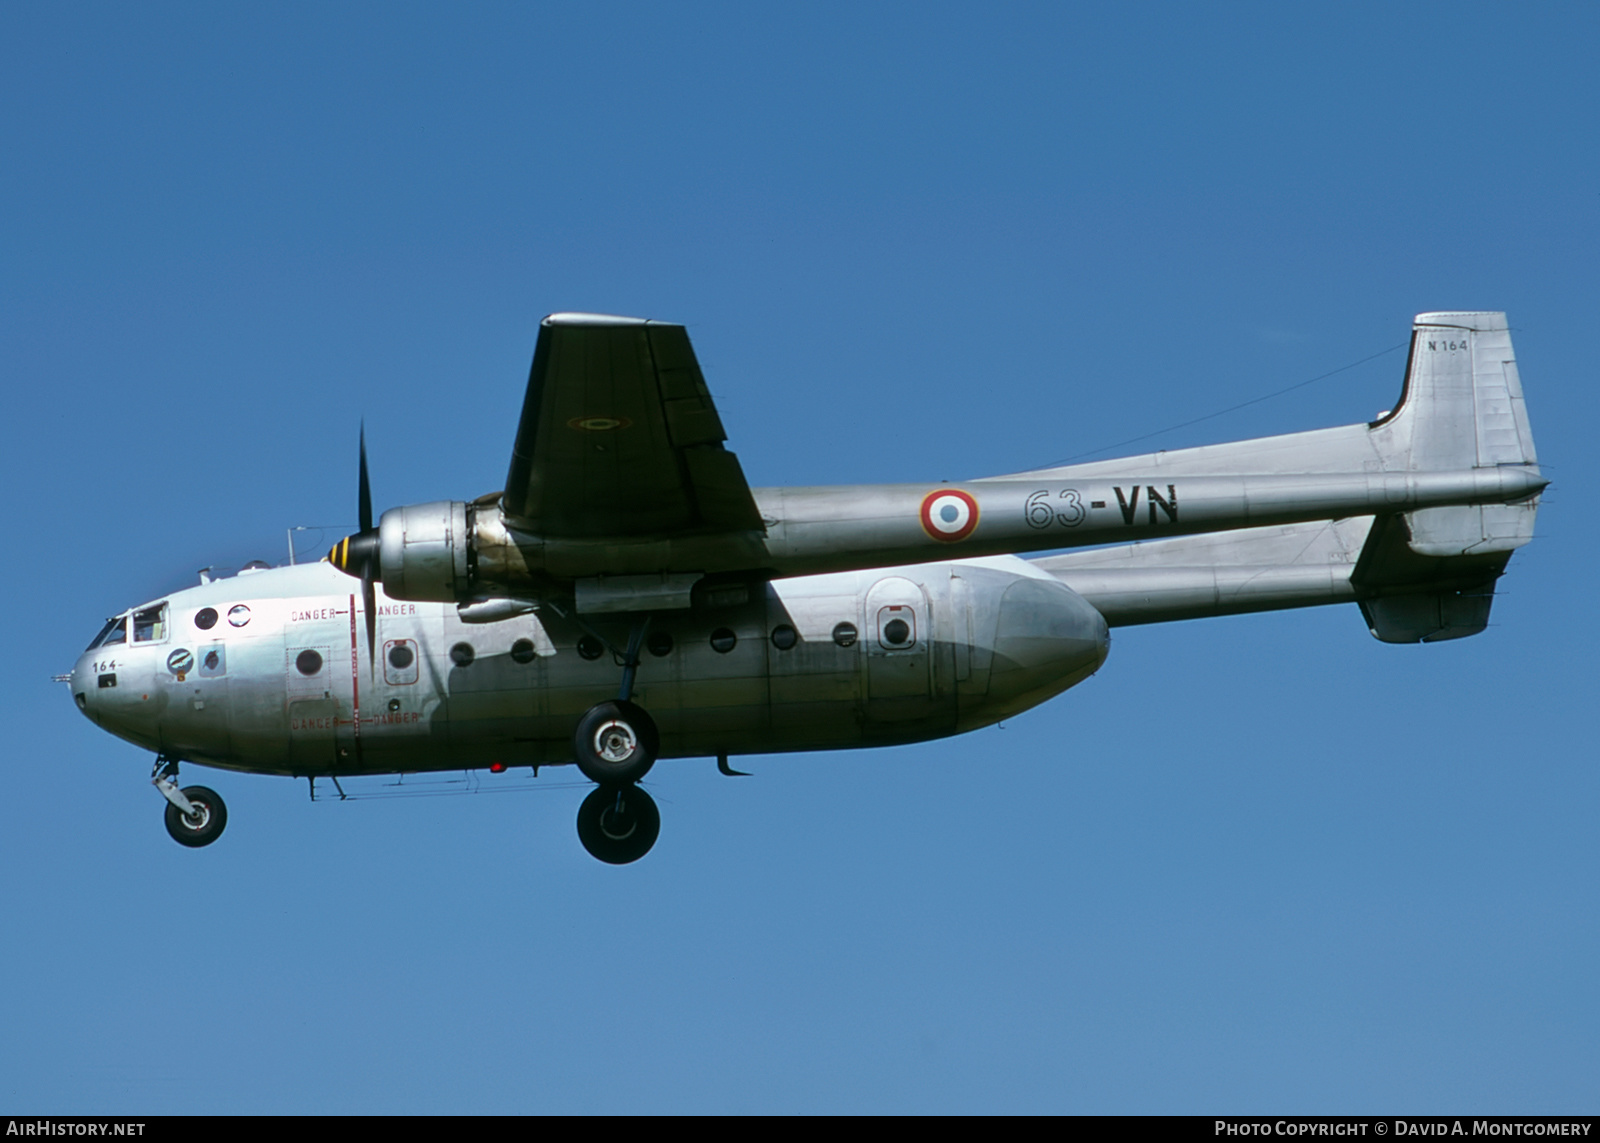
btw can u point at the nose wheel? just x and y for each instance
(204, 822)
(618, 824)
(196, 815)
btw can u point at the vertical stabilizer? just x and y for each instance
(1462, 408)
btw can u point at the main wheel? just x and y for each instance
(618, 824)
(615, 743)
(210, 817)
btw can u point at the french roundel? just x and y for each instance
(949, 515)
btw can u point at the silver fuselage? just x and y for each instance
(280, 681)
(805, 618)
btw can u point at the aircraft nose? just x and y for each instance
(1048, 638)
(81, 683)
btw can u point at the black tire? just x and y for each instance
(615, 743)
(213, 818)
(618, 824)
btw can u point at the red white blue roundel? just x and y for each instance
(949, 515)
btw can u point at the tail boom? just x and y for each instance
(1420, 571)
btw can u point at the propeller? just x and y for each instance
(358, 555)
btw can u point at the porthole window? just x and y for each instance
(394, 705)
(205, 618)
(660, 644)
(238, 615)
(308, 662)
(462, 654)
(784, 637)
(590, 647)
(400, 662)
(522, 651)
(897, 627)
(723, 640)
(844, 634)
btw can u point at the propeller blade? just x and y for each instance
(369, 603)
(366, 486)
(360, 555)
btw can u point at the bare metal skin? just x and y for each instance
(627, 562)
(257, 710)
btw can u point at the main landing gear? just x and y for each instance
(196, 815)
(615, 744)
(618, 824)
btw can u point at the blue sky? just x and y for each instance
(1257, 864)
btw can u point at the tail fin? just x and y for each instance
(1462, 408)
(1419, 576)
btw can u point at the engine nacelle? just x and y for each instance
(425, 551)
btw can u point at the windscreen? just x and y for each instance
(115, 631)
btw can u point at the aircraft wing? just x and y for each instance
(619, 437)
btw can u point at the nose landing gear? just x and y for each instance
(196, 815)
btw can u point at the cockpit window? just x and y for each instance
(115, 631)
(150, 625)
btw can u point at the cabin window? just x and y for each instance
(590, 647)
(784, 637)
(522, 651)
(660, 644)
(400, 662)
(897, 627)
(844, 634)
(462, 654)
(150, 625)
(723, 640)
(205, 618)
